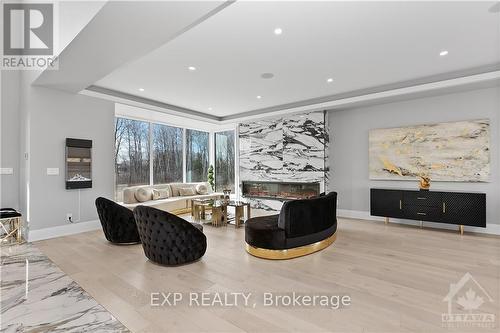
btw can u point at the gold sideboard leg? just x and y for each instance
(461, 229)
(386, 220)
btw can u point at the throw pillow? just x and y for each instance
(186, 191)
(201, 189)
(129, 195)
(156, 194)
(144, 194)
(161, 193)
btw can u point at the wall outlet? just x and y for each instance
(6, 171)
(69, 217)
(52, 171)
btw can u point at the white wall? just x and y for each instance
(10, 139)
(55, 116)
(45, 118)
(349, 144)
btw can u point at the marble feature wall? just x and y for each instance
(327, 153)
(287, 148)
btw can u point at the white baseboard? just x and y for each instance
(492, 229)
(63, 230)
(75, 228)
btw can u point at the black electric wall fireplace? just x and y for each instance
(279, 190)
(78, 163)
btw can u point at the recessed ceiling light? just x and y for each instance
(141, 89)
(267, 75)
(192, 68)
(329, 80)
(278, 31)
(443, 53)
(259, 96)
(210, 109)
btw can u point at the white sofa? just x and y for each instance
(175, 202)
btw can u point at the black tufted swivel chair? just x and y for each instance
(168, 239)
(117, 222)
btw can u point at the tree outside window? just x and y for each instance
(224, 161)
(197, 153)
(131, 154)
(167, 150)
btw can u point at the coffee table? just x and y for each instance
(217, 207)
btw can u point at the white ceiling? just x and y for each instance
(358, 44)
(120, 33)
(73, 16)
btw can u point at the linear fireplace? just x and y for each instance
(279, 190)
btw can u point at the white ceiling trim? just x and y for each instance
(147, 104)
(477, 81)
(146, 114)
(470, 82)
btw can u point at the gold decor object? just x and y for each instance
(425, 183)
(12, 230)
(227, 193)
(290, 253)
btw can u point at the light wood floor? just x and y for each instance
(397, 277)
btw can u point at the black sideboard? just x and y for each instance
(433, 206)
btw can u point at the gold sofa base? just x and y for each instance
(290, 253)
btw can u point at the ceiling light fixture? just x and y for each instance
(267, 75)
(192, 68)
(259, 96)
(329, 80)
(141, 89)
(278, 31)
(210, 109)
(443, 53)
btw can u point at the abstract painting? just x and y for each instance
(454, 151)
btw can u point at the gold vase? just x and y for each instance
(425, 183)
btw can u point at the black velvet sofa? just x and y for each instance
(168, 239)
(118, 223)
(302, 227)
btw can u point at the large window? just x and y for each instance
(224, 160)
(167, 150)
(167, 155)
(196, 156)
(132, 153)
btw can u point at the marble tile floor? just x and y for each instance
(48, 300)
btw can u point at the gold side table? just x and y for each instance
(239, 214)
(11, 225)
(199, 208)
(219, 215)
